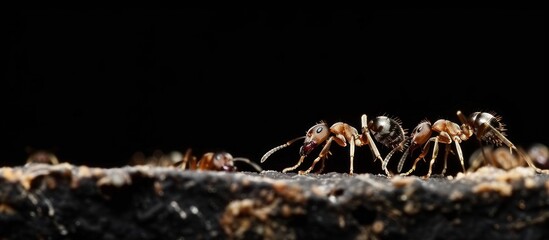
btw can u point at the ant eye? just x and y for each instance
(318, 130)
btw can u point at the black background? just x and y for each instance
(97, 85)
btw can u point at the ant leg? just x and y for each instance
(351, 156)
(411, 169)
(295, 166)
(322, 163)
(446, 152)
(322, 155)
(530, 163)
(371, 143)
(460, 155)
(434, 156)
(421, 156)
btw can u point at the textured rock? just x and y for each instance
(77, 202)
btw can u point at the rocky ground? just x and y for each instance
(64, 201)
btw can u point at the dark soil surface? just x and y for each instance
(77, 202)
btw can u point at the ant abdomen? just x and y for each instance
(484, 124)
(387, 131)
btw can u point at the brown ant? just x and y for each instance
(41, 156)
(486, 126)
(386, 130)
(213, 161)
(489, 128)
(499, 157)
(448, 132)
(539, 153)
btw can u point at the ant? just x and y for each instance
(489, 128)
(41, 156)
(499, 157)
(448, 132)
(213, 161)
(486, 126)
(539, 153)
(388, 131)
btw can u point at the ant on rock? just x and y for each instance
(448, 133)
(388, 131)
(485, 126)
(489, 128)
(213, 161)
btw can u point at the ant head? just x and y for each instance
(224, 161)
(315, 136)
(421, 134)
